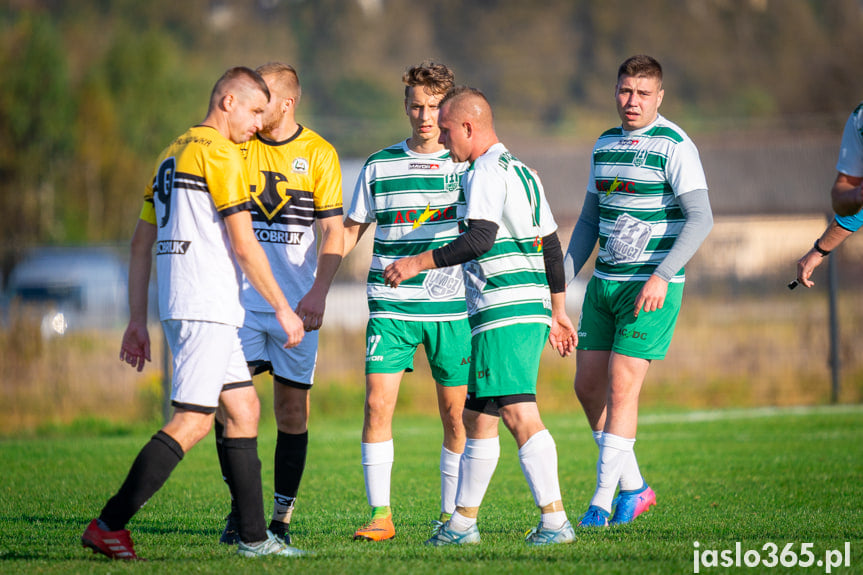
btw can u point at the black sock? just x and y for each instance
(289, 464)
(220, 451)
(148, 474)
(244, 474)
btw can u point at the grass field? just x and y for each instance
(722, 477)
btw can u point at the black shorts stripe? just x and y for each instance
(193, 407)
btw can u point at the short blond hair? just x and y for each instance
(287, 82)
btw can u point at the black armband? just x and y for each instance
(821, 251)
(477, 240)
(552, 255)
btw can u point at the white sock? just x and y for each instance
(597, 438)
(630, 475)
(538, 459)
(554, 520)
(612, 455)
(377, 470)
(449, 463)
(478, 463)
(461, 523)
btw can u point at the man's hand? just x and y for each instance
(405, 268)
(562, 336)
(311, 309)
(652, 295)
(135, 349)
(806, 265)
(293, 326)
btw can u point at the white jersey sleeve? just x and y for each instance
(485, 193)
(684, 170)
(362, 208)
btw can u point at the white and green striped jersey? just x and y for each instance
(417, 204)
(638, 176)
(507, 284)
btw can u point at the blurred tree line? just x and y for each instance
(94, 89)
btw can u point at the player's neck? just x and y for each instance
(218, 123)
(482, 146)
(283, 131)
(424, 146)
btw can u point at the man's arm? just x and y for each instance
(832, 237)
(477, 240)
(699, 222)
(583, 238)
(353, 231)
(135, 347)
(846, 194)
(311, 308)
(562, 335)
(253, 261)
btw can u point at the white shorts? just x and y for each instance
(263, 343)
(207, 356)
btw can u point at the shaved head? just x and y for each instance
(466, 123)
(240, 81)
(469, 103)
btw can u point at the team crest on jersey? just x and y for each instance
(443, 283)
(628, 240)
(474, 282)
(451, 182)
(273, 196)
(300, 166)
(639, 158)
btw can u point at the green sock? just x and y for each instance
(381, 512)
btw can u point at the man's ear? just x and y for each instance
(227, 103)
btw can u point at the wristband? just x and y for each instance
(819, 250)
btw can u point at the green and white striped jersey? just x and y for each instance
(638, 176)
(417, 204)
(507, 284)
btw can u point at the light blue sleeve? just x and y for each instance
(851, 223)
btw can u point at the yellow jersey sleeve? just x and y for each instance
(328, 182)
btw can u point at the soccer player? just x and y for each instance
(647, 203)
(196, 213)
(847, 198)
(412, 192)
(295, 181)
(516, 298)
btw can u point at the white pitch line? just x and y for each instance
(754, 413)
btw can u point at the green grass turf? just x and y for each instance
(755, 477)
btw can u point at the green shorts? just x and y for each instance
(506, 360)
(608, 323)
(392, 343)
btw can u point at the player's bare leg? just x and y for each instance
(291, 408)
(626, 376)
(591, 385)
(617, 464)
(450, 406)
(377, 453)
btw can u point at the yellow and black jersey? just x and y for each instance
(292, 183)
(199, 179)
